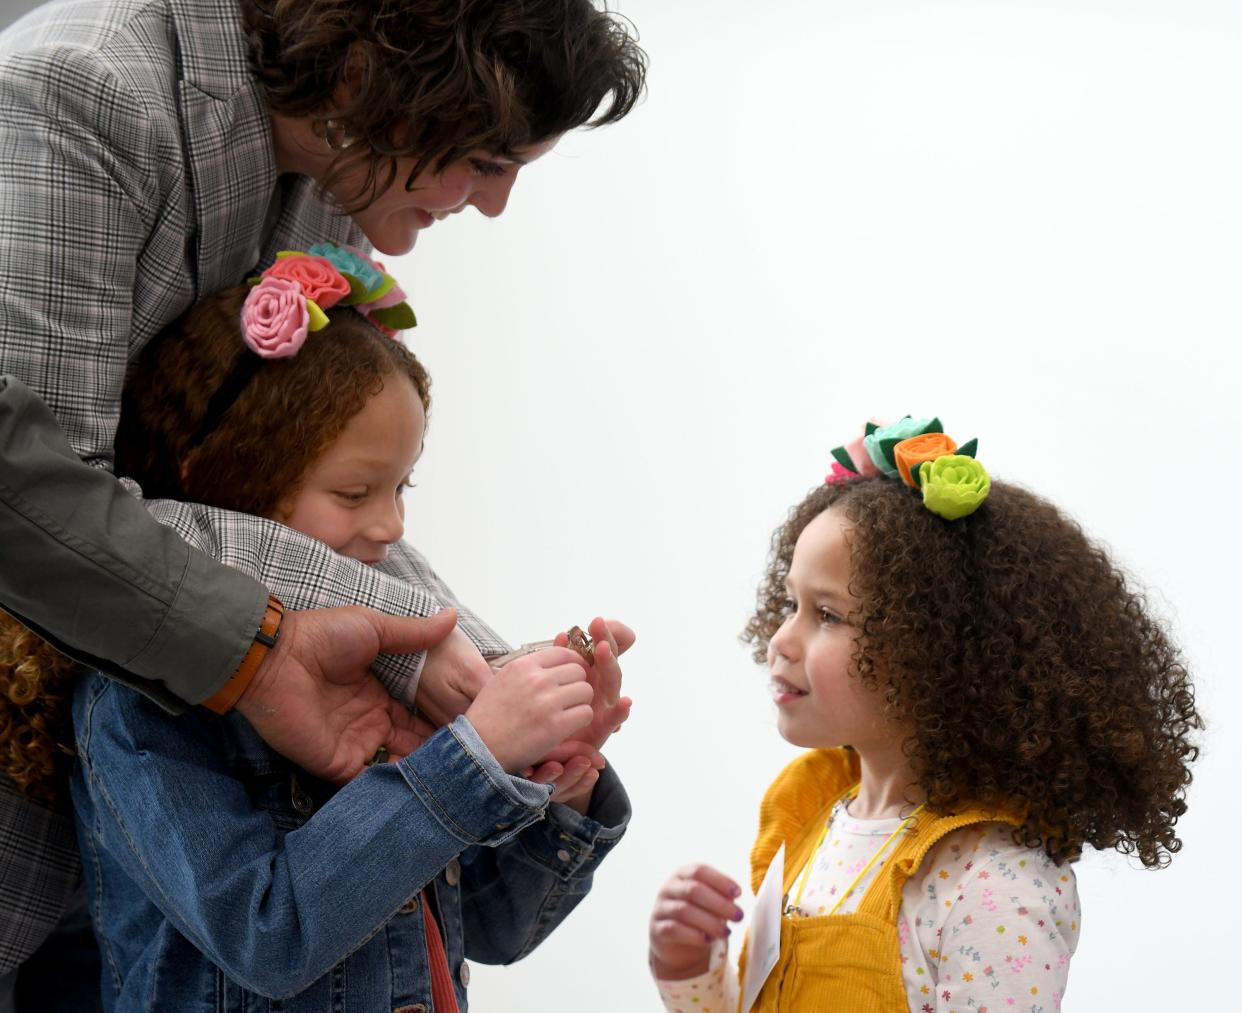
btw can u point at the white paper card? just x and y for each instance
(765, 931)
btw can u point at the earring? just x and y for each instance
(334, 134)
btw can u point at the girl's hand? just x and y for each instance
(610, 710)
(531, 705)
(572, 768)
(453, 674)
(692, 910)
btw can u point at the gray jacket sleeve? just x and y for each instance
(86, 567)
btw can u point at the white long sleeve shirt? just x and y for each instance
(984, 923)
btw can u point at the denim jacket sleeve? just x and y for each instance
(275, 912)
(514, 895)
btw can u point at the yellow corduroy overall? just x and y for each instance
(844, 963)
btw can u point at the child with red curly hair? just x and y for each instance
(218, 874)
(982, 694)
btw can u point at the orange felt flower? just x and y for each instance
(918, 449)
(318, 276)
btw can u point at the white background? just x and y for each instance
(1023, 217)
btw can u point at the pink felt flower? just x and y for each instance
(860, 457)
(319, 278)
(274, 318)
(838, 474)
(390, 298)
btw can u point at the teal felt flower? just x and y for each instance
(369, 277)
(953, 485)
(879, 442)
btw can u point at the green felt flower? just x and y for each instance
(953, 485)
(880, 441)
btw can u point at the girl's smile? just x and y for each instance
(784, 692)
(820, 701)
(351, 498)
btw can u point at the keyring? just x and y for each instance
(579, 642)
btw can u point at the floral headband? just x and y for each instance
(918, 452)
(288, 299)
(287, 302)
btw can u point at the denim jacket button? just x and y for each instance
(463, 974)
(452, 872)
(410, 906)
(303, 804)
(563, 855)
(418, 1007)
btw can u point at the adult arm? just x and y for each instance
(87, 568)
(87, 167)
(179, 637)
(305, 573)
(274, 913)
(83, 565)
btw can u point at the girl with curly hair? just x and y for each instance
(982, 693)
(222, 875)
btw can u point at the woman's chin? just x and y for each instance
(391, 245)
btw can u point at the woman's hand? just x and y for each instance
(692, 910)
(314, 699)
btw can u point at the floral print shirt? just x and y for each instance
(985, 925)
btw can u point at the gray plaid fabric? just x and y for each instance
(299, 568)
(38, 871)
(136, 172)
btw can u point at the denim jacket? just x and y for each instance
(221, 878)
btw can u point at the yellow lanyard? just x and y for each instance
(806, 869)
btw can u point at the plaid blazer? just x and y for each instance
(136, 173)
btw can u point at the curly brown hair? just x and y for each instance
(287, 415)
(436, 79)
(34, 711)
(1031, 673)
(252, 460)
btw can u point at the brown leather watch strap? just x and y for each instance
(226, 697)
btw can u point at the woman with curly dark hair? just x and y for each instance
(984, 693)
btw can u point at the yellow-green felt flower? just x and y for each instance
(954, 485)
